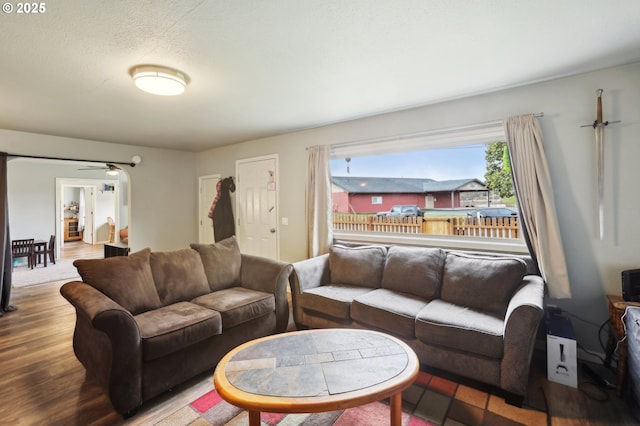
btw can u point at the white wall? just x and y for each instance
(105, 207)
(163, 188)
(124, 203)
(70, 193)
(31, 189)
(594, 265)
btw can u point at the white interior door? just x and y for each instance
(257, 206)
(89, 206)
(207, 187)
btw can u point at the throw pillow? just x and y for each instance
(222, 262)
(414, 270)
(481, 282)
(361, 266)
(179, 275)
(127, 280)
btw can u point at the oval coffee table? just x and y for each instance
(316, 370)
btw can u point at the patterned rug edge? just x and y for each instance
(430, 401)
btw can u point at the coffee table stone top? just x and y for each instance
(325, 362)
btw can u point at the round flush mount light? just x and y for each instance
(159, 80)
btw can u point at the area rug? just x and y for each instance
(431, 400)
(62, 270)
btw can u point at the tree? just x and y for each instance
(498, 175)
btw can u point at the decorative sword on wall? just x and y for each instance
(598, 126)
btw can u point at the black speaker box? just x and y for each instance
(631, 285)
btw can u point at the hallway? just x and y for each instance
(81, 250)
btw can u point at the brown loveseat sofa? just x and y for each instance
(152, 320)
(474, 316)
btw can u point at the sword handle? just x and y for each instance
(599, 114)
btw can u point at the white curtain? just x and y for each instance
(534, 191)
(85, 221)
(318, 200)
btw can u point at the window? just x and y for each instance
(451, 189)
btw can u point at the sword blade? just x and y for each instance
(599, 130)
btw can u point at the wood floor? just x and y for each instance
(80, 250)
(42, 383)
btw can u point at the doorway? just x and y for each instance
(34, 193)
(257, 206)
(430, 202)
(78, 205)
(83, 207)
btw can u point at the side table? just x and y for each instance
(617, 308)
(115, 249)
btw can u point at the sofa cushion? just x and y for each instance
(222, 262)
(481, 282)
(361, 266)
(414, 270)
(332, 300)
(238, 305)
(127, 280)
(171, 328)
(178, 275)
(387, 310)
(458, 327)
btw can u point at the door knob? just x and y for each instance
(272, 230)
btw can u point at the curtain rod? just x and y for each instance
(425, 133)
(121, 163)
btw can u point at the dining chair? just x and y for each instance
(49, 251)
(112, 229)
(23, 248)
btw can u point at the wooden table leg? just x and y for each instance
(254, 418)
(396, 409)
(622, 368)
(611, 345)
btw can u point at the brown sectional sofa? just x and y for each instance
(152, 320)
(473, 315)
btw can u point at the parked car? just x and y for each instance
(403, 211)
(498, 212)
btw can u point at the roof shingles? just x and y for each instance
(383, 185)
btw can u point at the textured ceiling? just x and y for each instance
(260, 68)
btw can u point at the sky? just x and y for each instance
(466, 162)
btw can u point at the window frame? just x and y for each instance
(483, 133)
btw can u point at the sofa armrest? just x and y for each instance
(310, 273)
(88, 301)
(307, 274)
(523, 317)
(107, 341)
(269, 276)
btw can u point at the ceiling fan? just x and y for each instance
(111, 168)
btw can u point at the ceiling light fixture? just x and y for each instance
(159, 80)
(112, 169)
